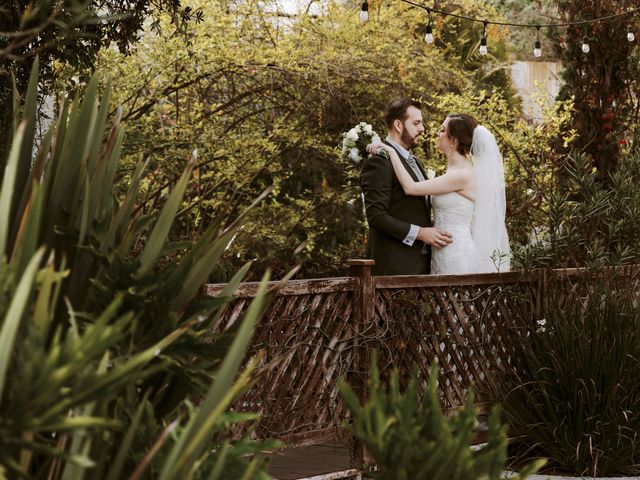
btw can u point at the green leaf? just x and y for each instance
(74, 423)
(85, 210)
(115, 472)
(123, 214)
(29, 118)
(8, 187)
(200, 271)
(11, 322)
(218, 397)
(158, 236)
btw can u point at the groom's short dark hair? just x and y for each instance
(397, 110)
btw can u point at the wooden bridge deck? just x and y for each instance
(327, 461)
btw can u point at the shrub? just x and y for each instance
(572, 388)
(589, 222)
(411, 438)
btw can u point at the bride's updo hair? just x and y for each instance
(461, 127)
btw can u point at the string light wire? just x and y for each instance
(537, 51)
(526, 25)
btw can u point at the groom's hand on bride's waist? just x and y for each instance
(434, 237)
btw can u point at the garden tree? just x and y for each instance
(603, 81)
(70, 32)
(522, 40)
(459, 40)
(264, 100)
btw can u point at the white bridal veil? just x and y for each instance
(488, 227)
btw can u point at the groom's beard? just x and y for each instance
(409, 140)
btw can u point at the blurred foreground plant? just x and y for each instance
(411, 438)
(103, 341)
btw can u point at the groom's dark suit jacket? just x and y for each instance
(390, 214)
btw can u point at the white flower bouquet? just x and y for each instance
(355, 141)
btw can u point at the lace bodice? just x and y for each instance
(452, 210)
(454, 214)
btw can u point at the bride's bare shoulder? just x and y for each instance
(461, 172)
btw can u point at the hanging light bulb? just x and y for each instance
(428, 37)
(364, 11)
(483, 46)
(585, 44)
(537, 49)
(483, 41)
(631, 36)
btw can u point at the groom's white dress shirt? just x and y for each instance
(413, 231)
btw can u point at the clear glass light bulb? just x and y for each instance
(428, 37)
(483, 46)
(537, 51)
(364, 15)
(631, 36)
(585, 47)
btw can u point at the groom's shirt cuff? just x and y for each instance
(412, 235)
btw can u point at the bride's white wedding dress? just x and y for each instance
(454, 213)
(480, 239)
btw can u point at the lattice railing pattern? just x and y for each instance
(461, 326)
(315, 332)
(306, 344)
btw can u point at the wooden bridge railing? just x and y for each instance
(318, 331)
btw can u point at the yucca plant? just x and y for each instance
(572, 390)
(104, 339)
(409, 437)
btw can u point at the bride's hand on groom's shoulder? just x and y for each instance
(376, 148)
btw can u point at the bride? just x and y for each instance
(468, 200)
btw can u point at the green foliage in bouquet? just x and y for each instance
(103, 341)
(409, 437)
(572, 388)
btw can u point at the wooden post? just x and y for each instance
(364, 297)
(540, 307)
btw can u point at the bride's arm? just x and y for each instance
(449, 182)
(452, 181)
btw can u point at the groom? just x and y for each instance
(400, 231)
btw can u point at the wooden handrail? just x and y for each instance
(292, 287)
(317, 331)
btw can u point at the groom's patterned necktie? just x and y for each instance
(411, 160)
(413, 163)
